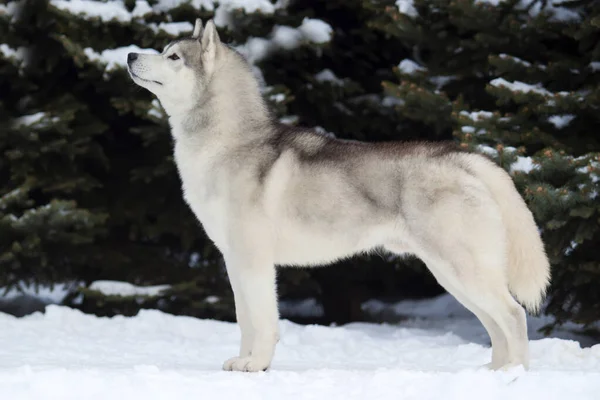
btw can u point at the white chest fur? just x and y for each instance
(204, 189)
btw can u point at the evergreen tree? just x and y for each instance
(90, 190)
(518, 81)
(108, 177)
(40, 221)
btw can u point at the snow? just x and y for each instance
(141, 9)
(487, 150)
(117, 288)
(9, 52)
(518, 86)
(523, 164)
(477, 115)
(535, 7)
(561, 121)
(286, 37)
(289, 120)
(10, 8)
(515, 59)
(315, 30)
(441, 80)
(28, 120)
(116, 10)
(255, 49)
(166, 5)
(156, 110)
(212, 299)
(407, 7)
(311, 30)
(595, 66)
(392, 101)
(112, 10)
(174, 28)
(223, 12)
(467, 129)
(492, 2)
(434, 354)
(115, 58)
(327, 75)
(55, 294)
(277, 98)
(551, 7)
(409, 67)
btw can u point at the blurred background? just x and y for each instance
(91, 212)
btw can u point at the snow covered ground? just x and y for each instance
(64, 354)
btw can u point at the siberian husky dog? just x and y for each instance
(268, 194)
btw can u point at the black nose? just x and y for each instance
(131, 57)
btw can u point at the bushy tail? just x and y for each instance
(528, 266)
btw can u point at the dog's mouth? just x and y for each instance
(142, 79)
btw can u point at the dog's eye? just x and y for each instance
(173, 57)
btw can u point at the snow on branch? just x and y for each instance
(166, 5)
(407, 7)
(409, 67)
(555, 9)
(116, 288)
(9, 53)
(113, 10)
(173, 28)
(226, 7)
(517, 60)
(561, 121)
(518, 86)
(116, 10)
(477, 115)
(522, 87)
(285, 37)
(327, 75)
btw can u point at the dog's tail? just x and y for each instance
(528, 267)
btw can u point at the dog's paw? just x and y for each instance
(503, 366)
(245, 364)
(490, 366)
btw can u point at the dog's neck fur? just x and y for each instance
(213, 110)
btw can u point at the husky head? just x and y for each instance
(179, 75)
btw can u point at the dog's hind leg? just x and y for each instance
(480, 284)
(498, 340)
(507, 315)
(500, 351)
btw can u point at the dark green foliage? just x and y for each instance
(486, 51)
(89, 190)
(93, 191)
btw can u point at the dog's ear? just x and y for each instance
(210, 40)
(197, 29)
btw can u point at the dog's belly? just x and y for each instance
(300, 246)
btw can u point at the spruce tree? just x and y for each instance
(91, 191)
(319, 69)
(518, 81)
(44, 232)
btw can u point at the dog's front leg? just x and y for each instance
(252, 274)
(242, 317)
